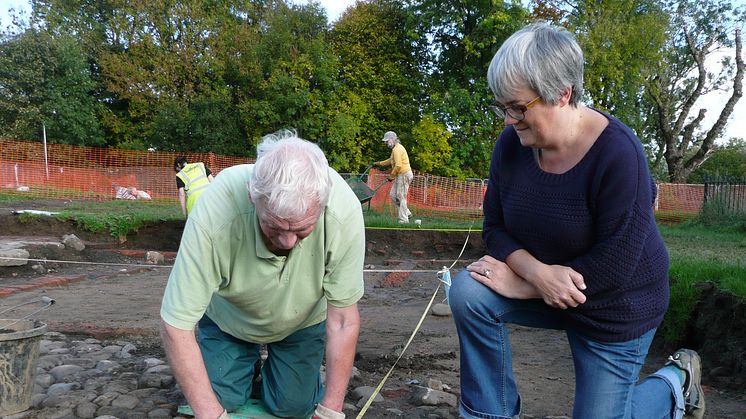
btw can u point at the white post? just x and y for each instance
(424, 191)
(46, 163)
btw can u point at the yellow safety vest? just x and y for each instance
(195, 181)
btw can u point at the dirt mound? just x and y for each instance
(718, 332)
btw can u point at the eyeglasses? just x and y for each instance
(517, 112)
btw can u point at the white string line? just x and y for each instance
(74, 262)
(373, 395)
(136, 265)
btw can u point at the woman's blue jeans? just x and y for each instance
(606, 374)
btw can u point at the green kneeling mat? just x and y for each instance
(253, 409)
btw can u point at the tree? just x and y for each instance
(167, 61)
(618, 61)
(284, 74)
(698, 29)
(45, 81)
(379, 71)
(431, 149)
(727, 161)
(462, 38)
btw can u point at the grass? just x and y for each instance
(118, 218)
(690, 241)
(121, 217)
(430, 222)
(700, 254)
(13, 196)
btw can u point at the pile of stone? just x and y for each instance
(88, 379)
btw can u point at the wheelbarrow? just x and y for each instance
(363, 192)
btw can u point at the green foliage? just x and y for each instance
(341, 140)
(618, 59)
(202, 127)
(379, 64)
(685, 274)
(431, 151)
(727, 161)
(217, 76)
(461, 39)
(478, 129)
(720, 211)
(118, 218)
(46, 80)
(26, 217)
(118, 225)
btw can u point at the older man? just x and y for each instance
(401, 175)
(272, 254)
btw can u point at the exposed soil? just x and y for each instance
(113, 293)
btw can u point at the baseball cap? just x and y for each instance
(389, 135)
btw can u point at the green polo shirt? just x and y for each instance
(224, 269)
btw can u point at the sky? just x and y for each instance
(714, 102)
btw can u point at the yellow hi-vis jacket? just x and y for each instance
(195, 181)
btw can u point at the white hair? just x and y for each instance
(291, 176)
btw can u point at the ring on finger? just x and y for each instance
(486, 272)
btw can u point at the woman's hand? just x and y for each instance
(560, 286)
(498, 277)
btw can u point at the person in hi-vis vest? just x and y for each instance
(191, 181)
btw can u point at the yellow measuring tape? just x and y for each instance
(414, 332)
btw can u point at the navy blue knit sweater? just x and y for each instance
(597, 218)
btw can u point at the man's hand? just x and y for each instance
(186, 361)
(342, 329)
(323, 412)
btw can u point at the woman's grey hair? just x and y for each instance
(291, 176)
(544, 58)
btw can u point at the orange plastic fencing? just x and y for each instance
(69, 172)
(677, 202)
(432, 196)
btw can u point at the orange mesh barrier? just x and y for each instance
(99, 173)
(432, 196)
(677, 202)
(95, 173)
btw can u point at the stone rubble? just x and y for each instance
(154, 258)
(90, 379)
(72, 241)
(13, 257)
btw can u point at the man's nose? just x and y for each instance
(287, 240)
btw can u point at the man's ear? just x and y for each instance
(248, 192)
(564, 99)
